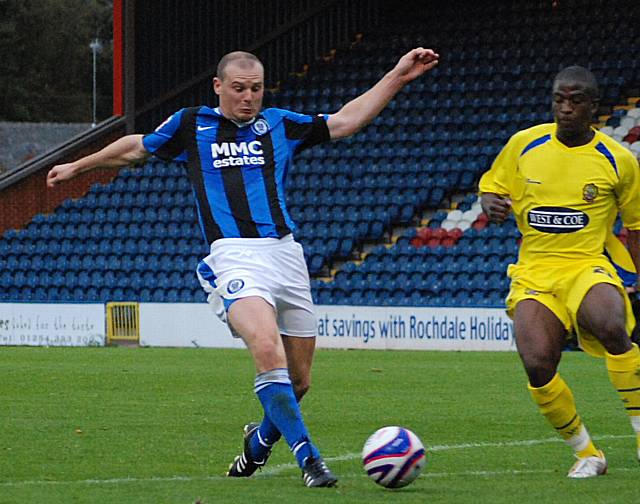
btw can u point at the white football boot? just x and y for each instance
(588, 467)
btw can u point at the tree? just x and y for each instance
(47, 63)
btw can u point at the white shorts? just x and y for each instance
(271, 268)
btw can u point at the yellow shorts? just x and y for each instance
(561, 288)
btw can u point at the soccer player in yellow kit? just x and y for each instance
(565, 182)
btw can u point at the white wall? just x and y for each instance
(38, 324)
(183, 325)
(343, 327)
(195, 325)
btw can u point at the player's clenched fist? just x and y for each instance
(60, 173)
(495, 206)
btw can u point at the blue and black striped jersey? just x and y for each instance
(238, 172)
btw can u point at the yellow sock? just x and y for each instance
(624, 373)
(555, 402)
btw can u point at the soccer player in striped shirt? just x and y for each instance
(237, 158)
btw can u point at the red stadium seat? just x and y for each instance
(479, 224)
(455, 233)
(424, 234)
(633, 135)
(439, 233)
(417, 242)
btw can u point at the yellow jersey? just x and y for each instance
(565, 199)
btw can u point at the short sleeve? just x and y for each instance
(499, 178)
(166, 142)
(628, 193)
(303, 130)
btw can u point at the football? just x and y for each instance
(393, 457)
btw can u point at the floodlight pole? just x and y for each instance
(95, 47)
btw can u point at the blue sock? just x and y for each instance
(275, 392)
(265, 437)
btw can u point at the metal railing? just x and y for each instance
(62, 151)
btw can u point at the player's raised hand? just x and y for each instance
(415, 63)
(495, 206)
(60, 173)
(124, 151)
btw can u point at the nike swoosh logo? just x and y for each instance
(202, 128)
(531, 181)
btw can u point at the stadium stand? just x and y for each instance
(20, 142)
(394, 224)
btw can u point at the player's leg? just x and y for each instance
(297, 323)
(604, 313)
(254, 319)
(540, 338)
(299, 352)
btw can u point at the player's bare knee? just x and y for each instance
(300, 387)
(540, 369)
(613, 336)
(609, 327)
(300, 379)
(540, 376)
(268, 355)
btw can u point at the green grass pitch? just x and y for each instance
(123, 425)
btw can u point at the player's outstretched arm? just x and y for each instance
(124, 151)
(495, 206)
(362, 110)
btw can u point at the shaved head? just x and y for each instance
(579, 75)
(241, 59)
(239, 84)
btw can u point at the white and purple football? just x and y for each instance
(393, 457)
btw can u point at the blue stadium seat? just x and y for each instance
(316, 264)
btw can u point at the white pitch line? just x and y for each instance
(277, 469)
(506, 472)
(111, 481)
(524, 442)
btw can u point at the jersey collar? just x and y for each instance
(239, 124)
(591, 144)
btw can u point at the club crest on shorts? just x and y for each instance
(590, 193)
(235, 285)
(260, 127)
